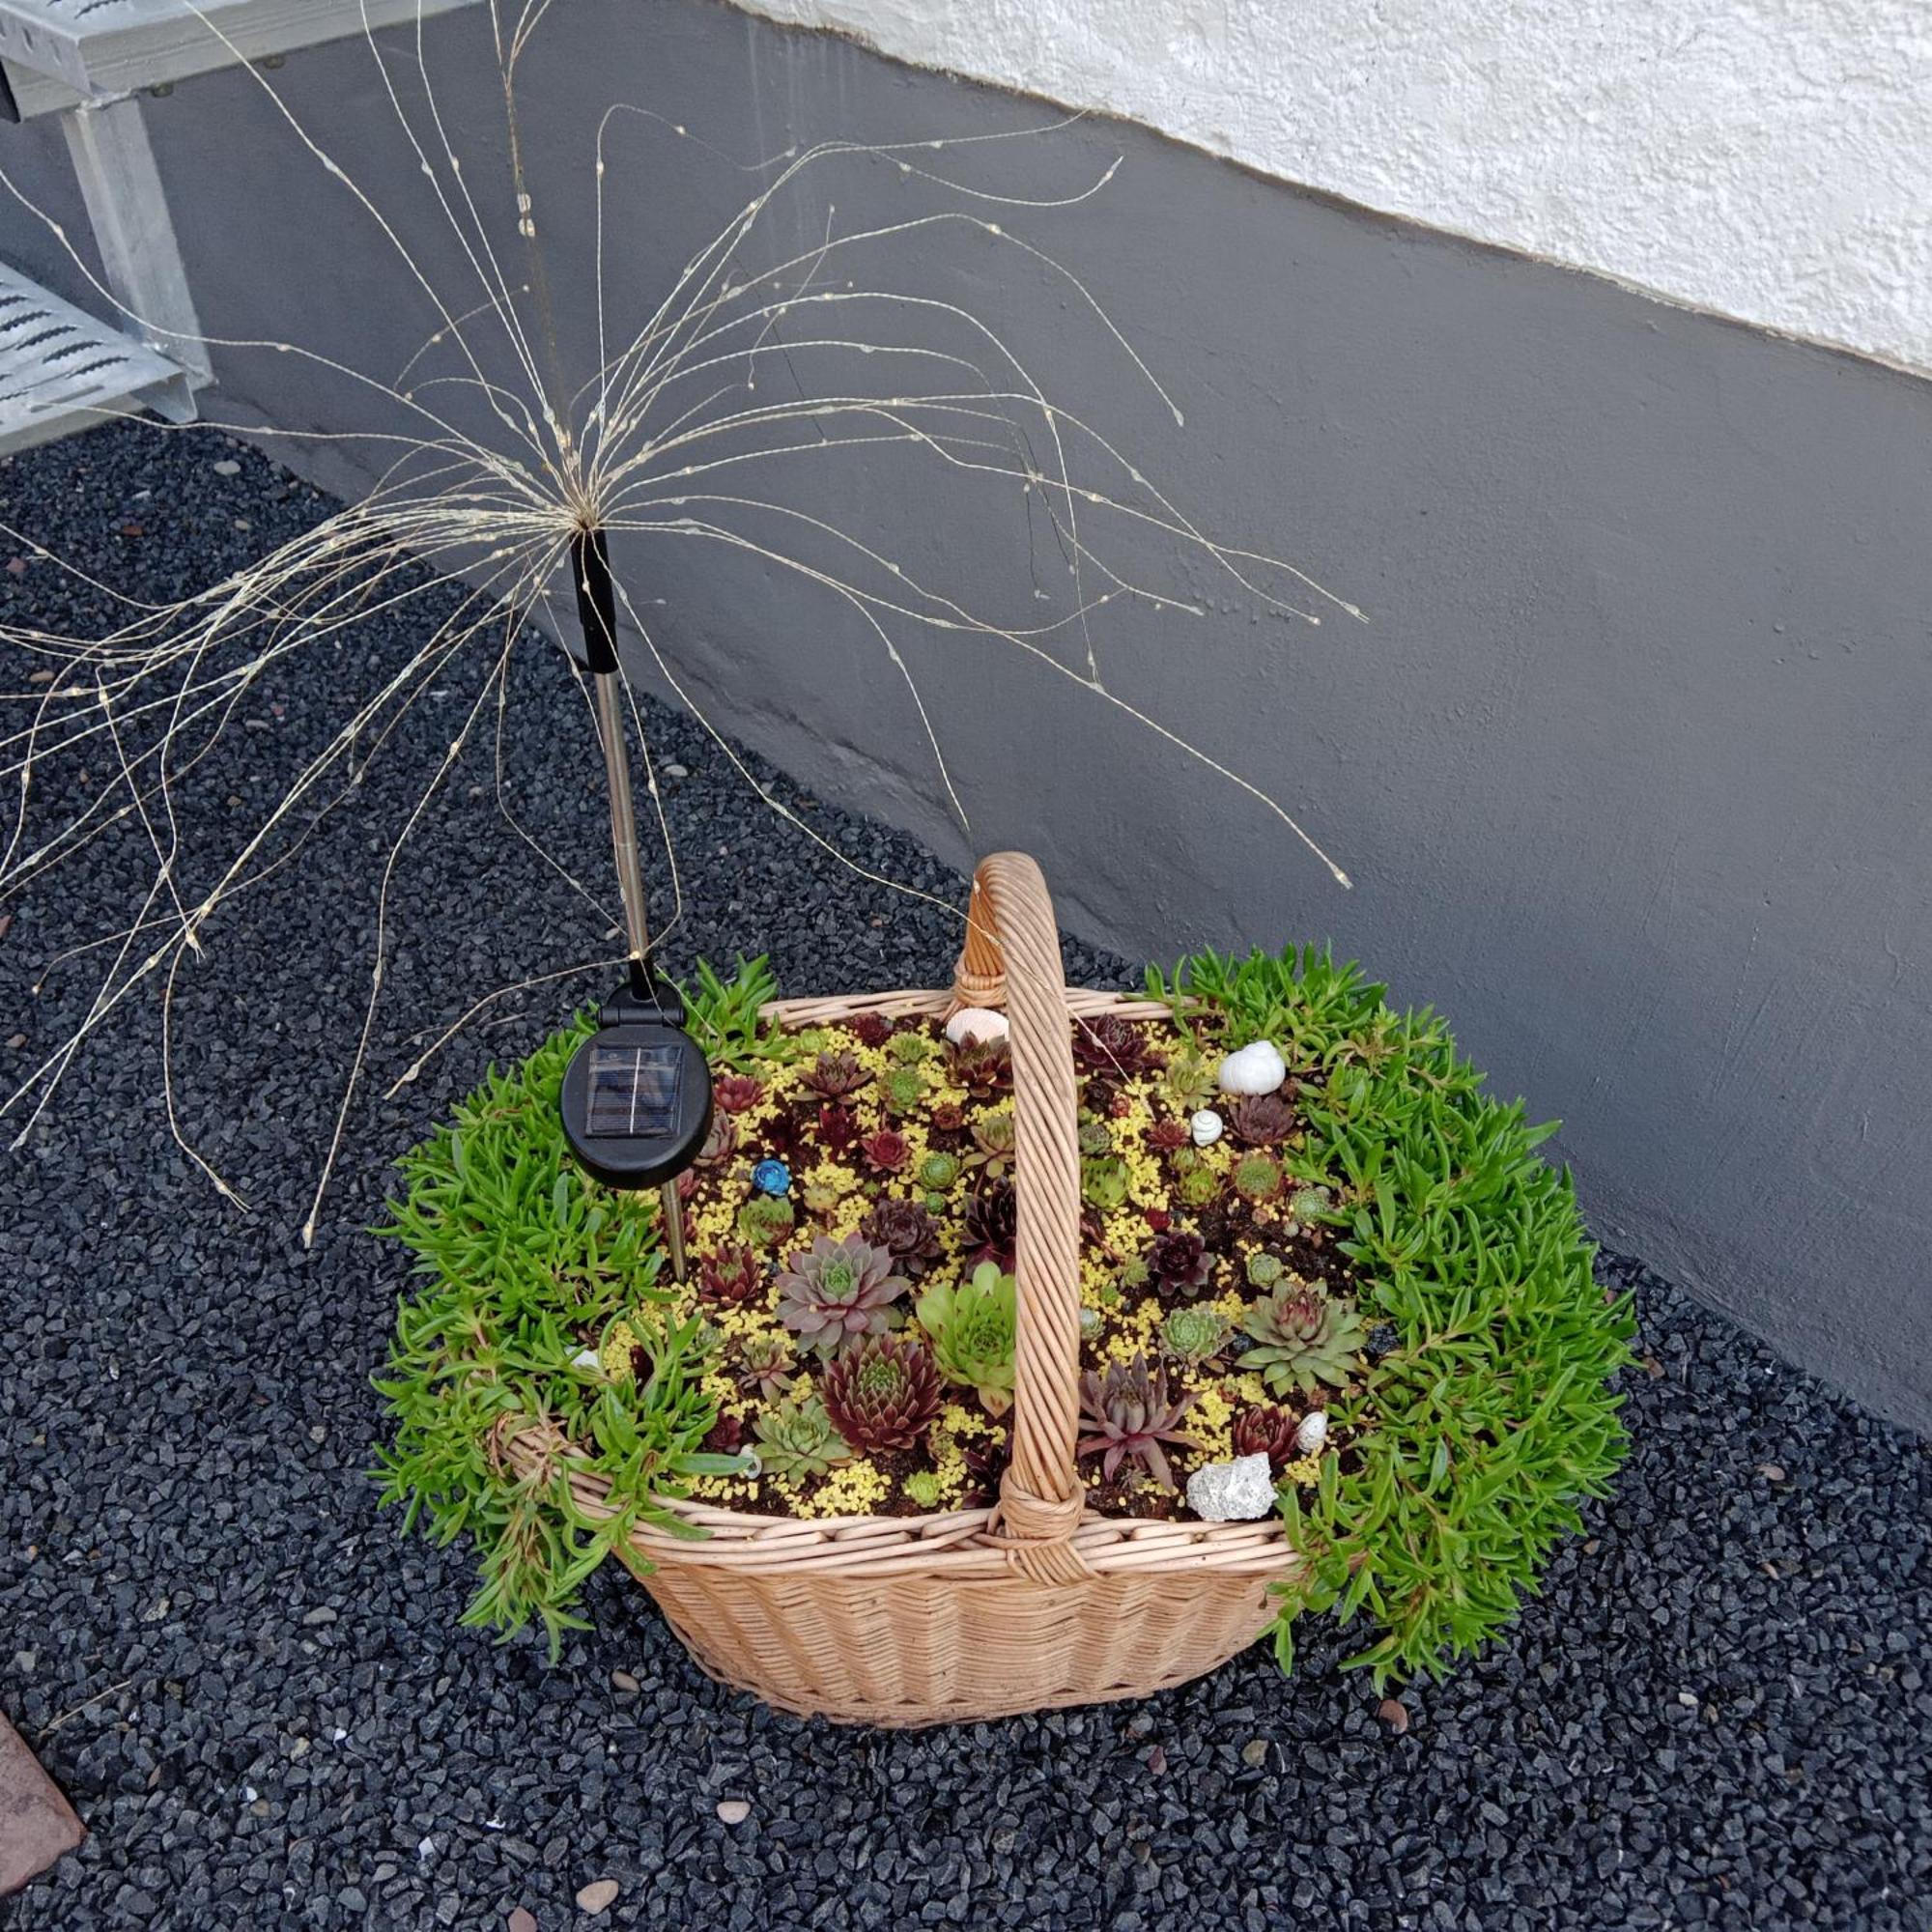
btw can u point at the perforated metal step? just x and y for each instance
(63, 370)
(57, 53)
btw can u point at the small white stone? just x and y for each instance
(1236, 1491)
(1313, 1432)
(1206, 1127)
(982, 1023)
(1254, 1069)
(733, 1810)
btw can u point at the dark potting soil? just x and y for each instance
(258, 1696)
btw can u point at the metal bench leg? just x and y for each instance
(108, 142)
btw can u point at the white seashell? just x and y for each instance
(1313, 1432)
(586, 1359)
(1236, 1491)
(1206, 1127)
(982, 1023)
(1254, 1069)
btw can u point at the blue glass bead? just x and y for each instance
(772, 1177)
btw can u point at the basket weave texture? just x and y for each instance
(973, 1613)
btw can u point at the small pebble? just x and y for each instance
(1394, 1713)
(598, 1895)
(1255, 1751)
(521, 1920)
(228, 466)
(733, 1810)
(623, 1680)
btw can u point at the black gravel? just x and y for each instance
(258, 1696)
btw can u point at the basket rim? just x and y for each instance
(960, 1544)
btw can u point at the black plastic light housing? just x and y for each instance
(637, 1094)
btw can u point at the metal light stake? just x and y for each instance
(640, 1057)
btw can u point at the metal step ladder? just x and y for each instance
(90, 61)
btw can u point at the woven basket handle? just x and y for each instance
(1011, 959)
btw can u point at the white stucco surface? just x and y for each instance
(1771, 159)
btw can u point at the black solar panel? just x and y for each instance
(634, 1091)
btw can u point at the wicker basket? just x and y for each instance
(973, 1613)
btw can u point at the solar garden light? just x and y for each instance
(637, 1094)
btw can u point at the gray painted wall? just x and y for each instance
(1630, 767)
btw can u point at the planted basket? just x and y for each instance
(979, 1613)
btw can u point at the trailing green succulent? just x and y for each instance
(798, 1440)
(1303, 1338)
(518, 1261)
(835, 1291)
(1127, 1415)
(723, 1015)
(1494, 1417)
(882, 1394)
(766, 1219)
(971, 1326)
(1194, 1334)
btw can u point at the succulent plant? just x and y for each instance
(765, 1219)
(797, 1439)
(909, 1048)
(1308, 1201)
(736, 1093)
(835, 1075)
(1303, 1338)
(735, 1275)
(837, 1290)
(1179, 1263)
(765, 1368)
(940, 1170)
(903, 1089)
(1127, 1415)
(884, 1394)
(781, 1139)
(1189, 1082)
(948, 1117)
(837, 1130)
(992, 1223)
(972, 1325)
(1258, 1177)
(993, 1137)
(1261, 1119)
(1103, 1181)
(1194, 1334)
(905, 1231)
(725, 1437)
(1267, 1431)
(1092, 1322)
(721, 1142)
(1168, 1136)
(1197, 1187)
(886, 1151)
(982, 1067)
(870, 1029)
(922, 1487)
(1114, 1046)
(1096, 1137)
(820, 1198)
(1263, 1270)
(985, 1464)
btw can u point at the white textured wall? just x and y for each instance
(1771, 159)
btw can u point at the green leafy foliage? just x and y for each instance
(722, 1016)
(1493, 1417)
(521, 1258)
